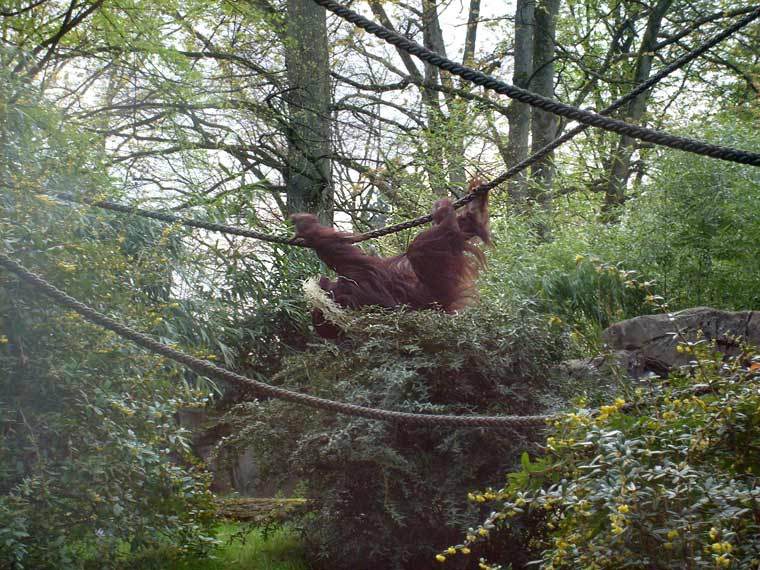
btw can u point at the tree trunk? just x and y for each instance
(519, 113)
(544, 124)
(620, 165)
(453, 143)
(468, 57)
(431, 39)
(309, 171)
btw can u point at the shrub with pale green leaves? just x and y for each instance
(387, 496)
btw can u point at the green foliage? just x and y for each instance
(593, 292)
(244, 548)
(92, 458)
(694, 228)
(690, 235)
(385, 496)
(566, 279)
(668, 481)
(282, 320)
(237, 546)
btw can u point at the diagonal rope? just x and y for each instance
(524, 96)
(519, 167)
(209, 370)
(543, 152)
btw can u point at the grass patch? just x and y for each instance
(245, 548)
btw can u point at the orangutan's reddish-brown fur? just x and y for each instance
(435, 272)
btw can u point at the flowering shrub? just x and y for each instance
(669, 480)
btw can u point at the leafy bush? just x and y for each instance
(667, 481)
(690, 230)
(566, 278)
(386, 496)
(93, 467)
(693, 228)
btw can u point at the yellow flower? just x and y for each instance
(466, 550)
(623, 509)
(668, 546)
(68, 267)
(672, 534)
(714, 533)
(3, 339)
(451, 550)
(578, 259)
(440, 558)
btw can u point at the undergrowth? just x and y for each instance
(667, 480)
(386, 496)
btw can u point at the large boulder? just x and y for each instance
(647, 345)
(653, 338)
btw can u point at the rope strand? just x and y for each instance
(543, 152)
(524, 96)
(514, 170)
(209, 370)
(171, 218)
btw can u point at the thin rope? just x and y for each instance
(210, 370)
(514, 170)
(533, 99)
(171, 218)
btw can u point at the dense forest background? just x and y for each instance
(246, 112)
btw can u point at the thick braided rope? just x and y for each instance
(213, 226)
(543, 152)
(209, 370)
(514, 170)
(535, 100)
